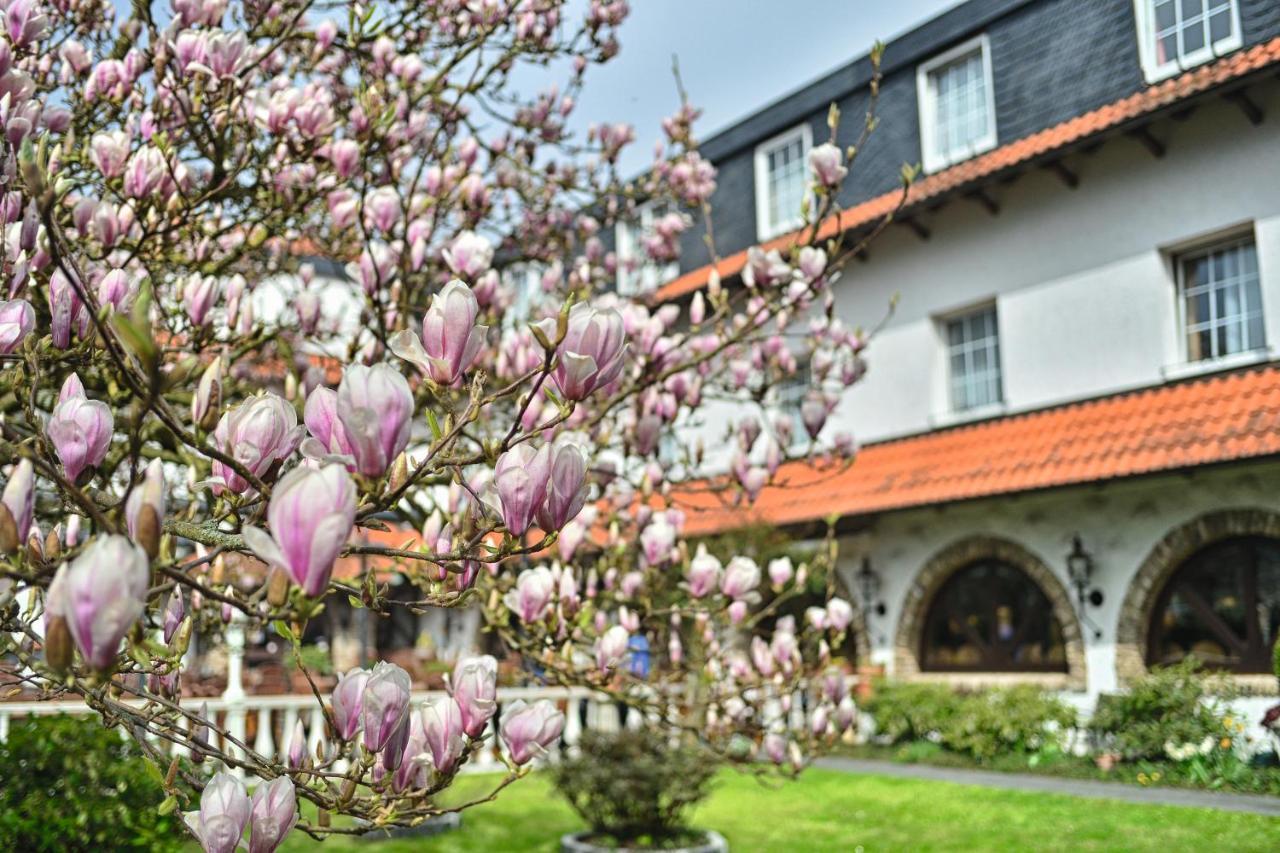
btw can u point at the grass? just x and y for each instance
(829, 810)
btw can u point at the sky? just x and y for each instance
(735, 57)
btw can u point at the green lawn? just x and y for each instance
(828, 810)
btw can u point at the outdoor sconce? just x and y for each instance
(869, 588)
(1080, 571)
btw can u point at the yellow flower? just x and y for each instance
(1142, 778)
(1227, 722)
(1155, 777)
(1226, 743)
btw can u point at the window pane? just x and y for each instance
(960, 105)
(992, 617)
(1164, 15)
(1223, 301)
(974, 359)
(1220, 25)
(1221, 605)
(1191, 8)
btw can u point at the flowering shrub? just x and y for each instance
(1172, 712)
(255, 308)
(982, 724)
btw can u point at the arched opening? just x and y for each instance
(1024, 618)
(1221, 604)
(990, 616)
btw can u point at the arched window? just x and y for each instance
(991, 617)
(1221, 605)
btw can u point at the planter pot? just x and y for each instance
(576, 842)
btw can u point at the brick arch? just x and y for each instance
(1163, 560)
(956, 556)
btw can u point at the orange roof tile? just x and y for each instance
(1109, 117)
(1213, 419)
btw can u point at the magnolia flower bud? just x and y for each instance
(273, 812)
(474, 687)
(17, 506)
(741, 577)
(80, 429)
(703, 574)
(521, 478)
(813, 413)
(442, 732)
(531, 597)
(207, 400)
(413, 759)
(566, 486)
(59, 648)
(223, 815)
(345, 701)
(592, 353)
(469, 256)
(528, 730)
(611, 647)
(200, 733)
(144, 511)
(258, 433)
(375, 407)
(101, 594)
(451, 339)
(174, 613)
(384, 705)
(296, 756)
(780, 571)
(311, 514)
(17, 319)
(825, 163)
(839, 614)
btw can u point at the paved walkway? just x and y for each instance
(1255, 803)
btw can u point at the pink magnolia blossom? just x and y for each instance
(258, 433)
(375, 407)
(311, 514)
(224, 812)
(521, 478)
(442, 731)
(80, 429)
(273, 812)
(531, 597)
(592, 353)
(451, 338)
(17, 319)
(473, 687)
(101, 594)
(825, 161)
(529, 730)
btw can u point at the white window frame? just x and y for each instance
(766, 230)
(1153, 71)
(628, 239)
(787, 398)
(931, 158)
(1248, 354)
(944, 323)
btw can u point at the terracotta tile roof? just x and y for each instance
(1213, 419)
(1114, 115)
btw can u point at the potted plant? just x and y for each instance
(634, 789)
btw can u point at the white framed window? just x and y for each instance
(1174, 35)
(782, 179)
(789, 394)
(973, 359)
(957, 105)
(1221, 300)
(637, 272)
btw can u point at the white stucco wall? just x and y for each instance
(1119, 523)
(1082, 279)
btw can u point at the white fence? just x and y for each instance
(274, 718)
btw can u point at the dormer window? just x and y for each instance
(638, 273)
(1174, 35)
(957, 105)
(781, 181)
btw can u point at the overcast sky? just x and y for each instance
(735, 56)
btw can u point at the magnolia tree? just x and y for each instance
(179, 385)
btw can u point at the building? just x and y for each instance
(1071, 423)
